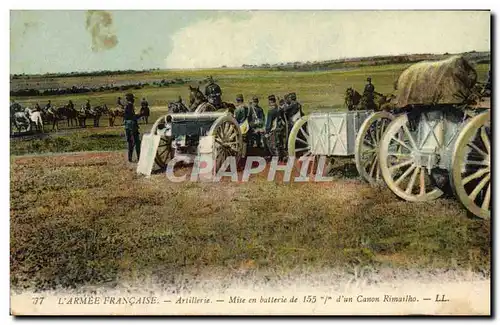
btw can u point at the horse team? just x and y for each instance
(36, 117)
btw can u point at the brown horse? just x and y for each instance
(114, 113)
(353, 100)
(94, 113)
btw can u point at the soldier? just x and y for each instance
(241, 112)
(275, 122)
(144, 110)
(71, 106)
(293, 109)
(131, 127)
(37, 107)
(87, 105)
(368, 95)
(119, 102)
(49, 108)
(256, 120)
(213, 93)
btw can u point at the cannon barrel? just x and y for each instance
(181, 117)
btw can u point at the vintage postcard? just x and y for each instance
(250, 162)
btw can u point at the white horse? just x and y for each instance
(21, 121)
(35, 117)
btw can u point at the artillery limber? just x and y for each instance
(437, 136)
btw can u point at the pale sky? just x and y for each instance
(61, 41)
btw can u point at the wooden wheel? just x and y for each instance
(228, 140)
(403, 169)
(470, 167)
(298, 139)
(367, 146)
(165, 152)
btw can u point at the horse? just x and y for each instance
(114, 113)
(177, 107)
(54, 115)
(71, 114)
(21, 121)
(35, 118)
(199, 103)
(351, 98)
(94, 112)
(144, 113)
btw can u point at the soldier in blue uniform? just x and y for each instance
(275, 123)
(213, 93)
(241, 111)
(131, 127)
(293, 109)
(256, 120)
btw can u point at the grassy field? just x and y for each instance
(73, 223)
(315, 90)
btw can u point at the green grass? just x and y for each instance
(73, 224)
(315, 90)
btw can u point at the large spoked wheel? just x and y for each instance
(228, 140)
(470, 168)
(402, 170)
(367, 146)
(165, 152)
(298, 139)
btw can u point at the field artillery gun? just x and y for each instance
(188, 135)
(437, 137)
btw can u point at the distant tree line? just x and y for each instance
(83, 74)
(81, 90)
(478, 57)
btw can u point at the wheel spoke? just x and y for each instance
(473, 146)
(404, 163)
(374, 163)
(422, 181)
(475, 175)
(301, 149)
(413, 178)
(377, 177)
(306, 135)
(479, 187)
(410, 137)
(405, 174)
(370, 151)
(401, 143)
(476, 162)
(301, 141)
(369, 144)
(382, 128)
(399, 154)
(486, 202)
(485, 139)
